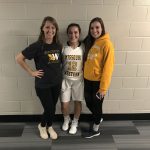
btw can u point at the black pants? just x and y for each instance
(48, 98)
(92, 102)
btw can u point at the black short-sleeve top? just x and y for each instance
(47, 57)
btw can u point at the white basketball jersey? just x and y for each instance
(73, 62)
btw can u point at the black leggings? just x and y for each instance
(92, 102)
(48, 98)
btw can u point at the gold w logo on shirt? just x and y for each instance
(53, 57)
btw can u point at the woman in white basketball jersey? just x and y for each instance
(72, 85)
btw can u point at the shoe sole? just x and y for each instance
(64, 130)
(43, 138)
(73, 132)
(89, 137)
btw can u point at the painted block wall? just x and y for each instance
(127, 21)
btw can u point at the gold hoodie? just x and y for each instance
(100, 62)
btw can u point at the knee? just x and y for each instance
(64, 106)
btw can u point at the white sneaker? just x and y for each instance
(65, 125)
(53, 134)
(73, 129)
(43, 132)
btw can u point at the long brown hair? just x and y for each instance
(41, 37)
(89, 40)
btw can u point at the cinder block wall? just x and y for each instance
(127, 21)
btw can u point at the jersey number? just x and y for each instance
(72, 66)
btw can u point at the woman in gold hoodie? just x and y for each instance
(98, 68)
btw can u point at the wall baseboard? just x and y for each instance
(83, 117)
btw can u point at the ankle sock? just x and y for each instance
(67, 117)
(75, 120)
(96, 127)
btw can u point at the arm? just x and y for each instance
(108, 65)
(21, 61)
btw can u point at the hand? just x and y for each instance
(102, 94)
(37, 73)
(99, 96)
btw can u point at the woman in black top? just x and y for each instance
(46, 53)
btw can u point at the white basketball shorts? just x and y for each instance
(72, 90)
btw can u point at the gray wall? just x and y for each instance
(127, 21)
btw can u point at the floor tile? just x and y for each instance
(131, 142)
(11, 130)
(141, 123)
(75, 142)
(115, 135)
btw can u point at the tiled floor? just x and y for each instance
(115, 135)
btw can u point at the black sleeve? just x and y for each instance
(31, 51)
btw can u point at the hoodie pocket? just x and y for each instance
(96, 73)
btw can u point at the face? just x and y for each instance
(95, 29)
(73, 34)
(49, 31)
